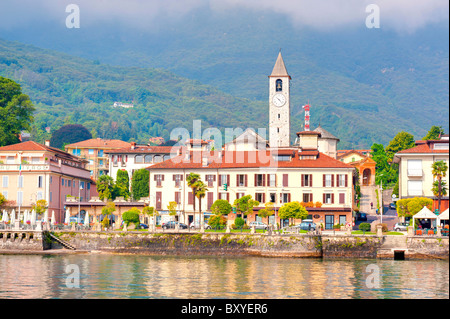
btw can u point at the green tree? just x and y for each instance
(107, 211)
(69, 134)
(40, 206)
(139, 183)
(200, 194)
(192, 182)
(292, 210)
(221, 207)
(434, 133)
(105, 187)
(245, 204)
(16, 112)
(408, 207)
(122, 186)
(439, 170)
(400, 142)
(217, 221)
(131, 216)
(267, 211)
(172, 208)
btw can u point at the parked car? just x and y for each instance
(401, 226)
(143, 226)
(361, 216)
(171, 224)
(307, 224)
(259, 225)
(196, 225)
(392, 206)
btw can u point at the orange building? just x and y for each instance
(361, 160)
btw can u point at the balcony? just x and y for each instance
(415, 172)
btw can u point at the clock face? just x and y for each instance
(279, 100)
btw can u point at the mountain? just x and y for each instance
(364, 85)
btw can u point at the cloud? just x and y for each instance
(401, 15)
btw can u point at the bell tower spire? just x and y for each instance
(279, 105)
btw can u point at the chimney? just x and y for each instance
(47, 143)
(133, 145)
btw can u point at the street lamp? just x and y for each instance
(381, 198)
(154, 211)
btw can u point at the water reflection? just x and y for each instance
(114, 276)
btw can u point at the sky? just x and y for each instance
(405, 16)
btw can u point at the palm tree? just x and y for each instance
(200, 193)
(439, 170)
(192, 180)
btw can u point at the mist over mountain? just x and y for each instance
(364, 85)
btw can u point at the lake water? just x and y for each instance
(131, 276)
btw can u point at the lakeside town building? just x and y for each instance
(415, 169)
(94, 151)
(31, 171)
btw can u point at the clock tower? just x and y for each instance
(279, 105)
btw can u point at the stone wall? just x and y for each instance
(24, 240)
(351, 246)
(196, 243)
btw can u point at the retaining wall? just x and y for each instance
(24, 240)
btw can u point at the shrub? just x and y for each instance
(337, 226)
(239, 222)
(131, 216)
(105, 222)
(217, 221)
(364, 226)
(384, 227)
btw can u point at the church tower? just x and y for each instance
(279, 105)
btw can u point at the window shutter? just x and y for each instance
(174, 177)
(176, 197)
(255, 179)
(263, 198)
(220, 180)
(332, 198)
(289, 197)
(237, 180)
(324, 180)
(228, 179)
(264, 180)
(311, 196)
(323, 199)
(214, 178)
(181, 177)
(303, 180)
(285, 180)
(310, 180)
(332, 180)
(346, 180)
(162, 177)
(154, 177)
(246, 180)
(228, 196)
(190, 198)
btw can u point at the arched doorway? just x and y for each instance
(367, 177)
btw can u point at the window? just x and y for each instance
(166, 157)
(342, 180)
(415, 188)
(415, 167)
(10, 160)
(328, 198)
(39, 195)
(282, 158)
(307, 197)
(210, 179)
(260, 180)
(20, 181)
(70, 183)
(51, 197)
(279, 85)
(5, 194)
(177, 178)
(76, 152)
(241, 180)
(19, 198)
(273, 197)
(51, 179)
(260, 197)
(285, 180)
(285, 198)
(148, 158)
(224, 179)
(91, 152)
(100, 153)
(40, 181)
(91, 162)
(342, 219)
(159, 178)
(306, 180)
(210, 200)
(88, 185)
(225, 196)
(139, 159)
(272, 180)
(157, 158)
(342, 198)
(178, 197)
(81, 185)
(328, 180)
(35, 160)
(62, 181)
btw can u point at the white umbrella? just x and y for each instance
(45, 217)
(33, 217)
(5, 216)
(67, 219)
(53, 221)
(86, 219)
(13, 216)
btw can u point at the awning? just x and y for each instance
(444, 215)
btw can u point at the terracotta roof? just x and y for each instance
(31, 146)
(246, 159)
(422, 148)
(145, 150)
(99, 143)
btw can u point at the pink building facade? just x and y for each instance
(30, 171)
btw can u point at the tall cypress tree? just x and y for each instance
(122, 187)
(139, 184)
